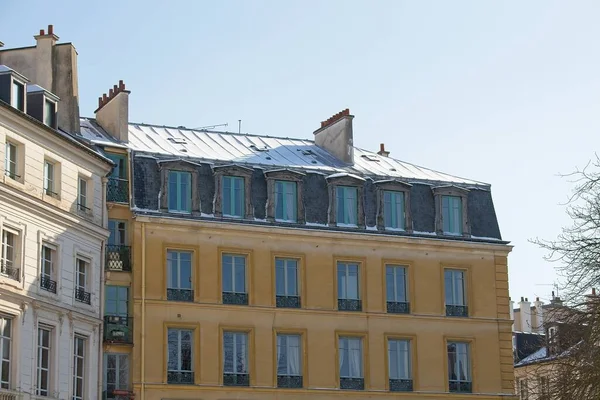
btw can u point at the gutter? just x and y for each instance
(102, 286)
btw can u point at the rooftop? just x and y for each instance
(262, 151)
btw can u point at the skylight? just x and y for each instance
(370, 157)
(177, 140)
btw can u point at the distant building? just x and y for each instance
(52, 213)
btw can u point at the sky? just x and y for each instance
(505, 92)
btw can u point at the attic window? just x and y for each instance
(370, 158)
(307, 152)
(256, 148)
(177, 140)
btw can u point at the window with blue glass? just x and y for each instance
(286, 283)
(452, 216)
(351, 363)
(179, 276)
(234, 279)
(393, 209)
(286, 201)
(455, 293)
(396, 288)
(348, 287)
(347, 204)
(459, 367)
(180, 191)
(399, 365)
(233, 196)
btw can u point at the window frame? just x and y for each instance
(239, 172)
(51, 279)
(470, 343)
(177, 286)
(76, 360)
(455, 191)
(52, 189)
(83, 206)
(17, 264)
(22, 91)
(192, 361)
(412, 359)
(118, 385)
(87, 278)
(361, 262)
(39, 358)
(50, 120)
(15, 174)
(179, 175)
(164, 167)
(381, 187)
(10, 359)
(365, 356)
(249, 332)
(117, 300)
(467, 295)
(303, 375)
(349, 181)
(386, 263)
(234, 253)
(285, 175)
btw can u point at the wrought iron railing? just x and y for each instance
(7, 268)
(118, 329)
(352, 383)
(398, 307)
(117, 190)
(287, 301)
(82, 296)
(180, 294)
(118, 258)
(48, 284)
(460, 386)
(180, 377)
(289, 381)
(401, 385)
(240, 299)
(349, 305)
(236, 379)
(457, 311)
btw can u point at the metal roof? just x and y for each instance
(263, 151)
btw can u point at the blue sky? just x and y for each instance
(505, 92)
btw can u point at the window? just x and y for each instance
(117, 189)
(117, 301)
(234, 279)
(452, 217)
(118, 254)
(47, 270)
(286, 283)
(351, 363)
(79, 353)
(49, 181)
(179, 279)
(235, 359)
(117, 323)
(9, 261)
(347, 204)
(393, 210)
(81, 275)
(289, 361)
(399, 365)
(233, 196)
(544, 385)
(50, 113)
(116, 374)
(180, 365)
(5, 351)
(82, 190)
(523, 389)
(43, 361)
(18, 95)
(180, 191)
(118, 232)
(286, 201)
(456, 298)
(396, 288)
(10, 161)
(348, 287)
(459, 367)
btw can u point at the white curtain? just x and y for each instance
(350, 206)
(355, 358)
(343, 348)
(293, 355)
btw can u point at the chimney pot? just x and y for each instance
(522, 298)
(42, 33)
(104, 98)
(121, 84)
(115, 89)
(537, 299)
(99, 102)
(526, 299)
(50, 29)
(110, 93)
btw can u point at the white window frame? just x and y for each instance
(234, 257)
(245, 342)
(177, 264)
(395, 269)
(344, 352)
(16, 250)
(4, 358)
(454, 297)
(11, 164)
(86, 273)
(288, 263)
(467, 354)
(50, 187)
(401, 362)
(289, 347)
(39, 366)
(345, 265)
(179, 349)
(83, 194)
(79, 343)
(118, 369)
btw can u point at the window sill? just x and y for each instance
(391, 229)
(341, 225)
(16, 183)
(180, 212)
(5, 280)
(232, 216)
(286, 221)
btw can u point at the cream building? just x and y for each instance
(52, 227)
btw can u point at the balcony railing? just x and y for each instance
(180, 294)
(457, 311)
(180, 377)
(118, 329)
(117, 190)
(239, 299)
(289, 381)
(82, 296)
(7, 269)
(287, 301)
(118, 258)
(401, 385)
(398, 307)
(6, 394)
(352, 383)
(236, 379)
(349, 305)
(460, 386)
(48, 284)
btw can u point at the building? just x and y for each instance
(266, 267)
(52, 212)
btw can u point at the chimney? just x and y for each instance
(538, 324)
(556, 301)
(525, 314)
(335, 136)
(53, 67)
(382, 152)
(113, 112)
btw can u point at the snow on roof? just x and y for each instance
(536, 356)
(266, 151)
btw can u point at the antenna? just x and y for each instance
(203, 128)
(239, 126)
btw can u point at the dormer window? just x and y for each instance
(393, 199)
(233, 192)
(451, 211)
(233, 196)
(18, 95)
(180, 192)
(346, 200)
(50, 113)
(346, 205)
(284, 188)
(42, 105)
(12, 88)
(452, 215)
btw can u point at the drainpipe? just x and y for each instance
(102, 283)
(143, 310)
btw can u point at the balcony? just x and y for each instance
(117, 190)
(460, 386)
(48, 284)
(6, 394)
(180, 294)
(82, 296)
(289, 381)
(239, 299)
(457, 311)
(349, 305)
(401, 385)
(287, 301)
(118, 258)
(352, 383)
(180, 377)
(118, 329)
(398, 307)
(7, 269)
(236, 379)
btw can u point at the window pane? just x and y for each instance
(339, 190)
(400, 284)
(398, 207)
(279, 200)
(387, 209)
(292, 284)
(341, 270)
(291, 201)
(389, 284)
(448, 287)
(352, 288)
(350, 203)
(239, 196)
(185, 275)
(279, 278)
(227, 273)
(227, 189)
(173, 178)
(228, 352)
(240, 274)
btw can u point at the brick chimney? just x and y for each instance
(112, 113)
(52, 66)
(382, 152)
(335, 136)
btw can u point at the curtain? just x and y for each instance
(355, 358)
(350, 206)
(293, 347)
(343, 348)
(290, 201)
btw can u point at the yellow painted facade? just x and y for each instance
(487, 329)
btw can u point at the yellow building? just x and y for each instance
(275, 268)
